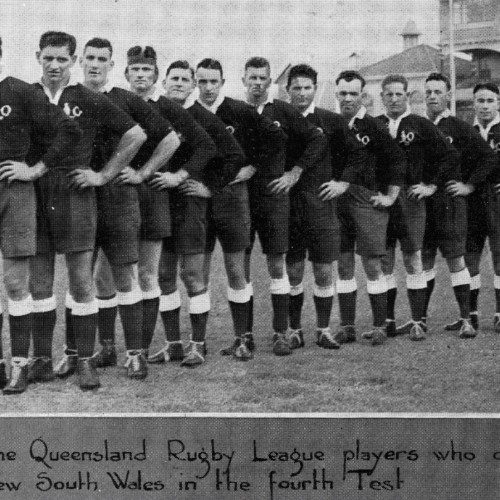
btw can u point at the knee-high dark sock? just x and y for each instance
(43, 324)
(170, 308)
(280, 299)
(323, 302)
(475, 286)
(295, 306)
(347, 295)
(106, 319)
(70, 334)
(131, 313)
(377, 291)
(416, 285)
(84, 321)
(199, 306)
(431, 281)
(150, 307)
(20, 322)
(460, 282)
(238, 304)
(249, 328)
(392, 293)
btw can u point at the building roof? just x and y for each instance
(415, 60)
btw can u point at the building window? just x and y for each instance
(474, 11)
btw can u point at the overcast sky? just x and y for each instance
(319, 32)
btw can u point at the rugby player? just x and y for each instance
(431, 162)
(484, 204)
(186, 244)
(67, 208)
(269, 191)
(118, 221)
(263, 143)
(228, 211)
(26, 117)
(314, 227)
(446, 224)
(364, 210)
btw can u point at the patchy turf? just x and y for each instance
(441, 374)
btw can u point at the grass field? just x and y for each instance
(441, 374)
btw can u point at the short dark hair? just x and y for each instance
(395, 79)
(58, 39)
(182, 64)
(100, 43)
(439, 77)
(350, 75)
(486, 86)
(304, 71)
(145, 54)
(257, 62)
(209, 63)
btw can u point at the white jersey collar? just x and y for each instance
(484, 131)
(155, 95)
(359, 115)
(215, 105)
(394, 124)
(55, 100)
(309, 110)
(260, 107)
(445, 114)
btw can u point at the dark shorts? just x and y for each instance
(445, 225)
(155, 213)
(189, 225)
(314, 229)
(270, 216)
(406, 223)
(118, 223)
(229, 219)
(363, 228)
(66, 218)
(17, 219)
(483, 220)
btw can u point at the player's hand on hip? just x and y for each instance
(382, 200)
(455, 188)
(81, 178)
(284, 183)
(164, 180)
(191, 187)
(11, 170)
(128, 176)
(245, 174)
(332, 189)
(420, 191)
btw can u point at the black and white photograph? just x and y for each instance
(231, 226)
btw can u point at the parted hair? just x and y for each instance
(304, 71)
(58, 39)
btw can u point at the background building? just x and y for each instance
(477, 33)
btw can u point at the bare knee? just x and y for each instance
(413, 262)
(276, 266)
(346, 265)
(295, 272)
(323, 274)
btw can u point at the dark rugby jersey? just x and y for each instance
(430, 157)
(230, 157)
(90, 110)
(493, 142)
(262, 141)
(196, 149)
(384, 162)
(345, 158)
(305, 146)
(477, 160)
(155, 126)
(26, 118)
